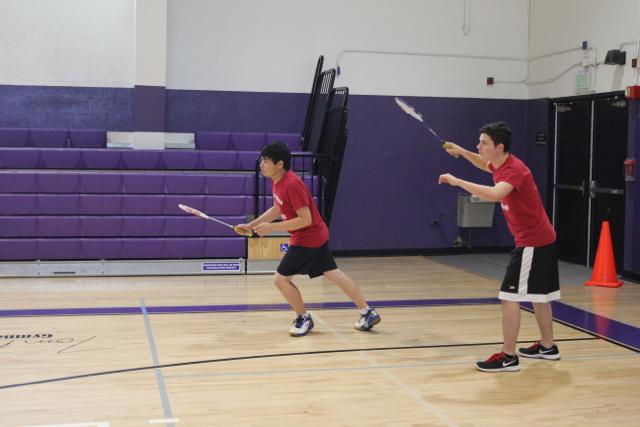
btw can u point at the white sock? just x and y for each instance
(365, 310)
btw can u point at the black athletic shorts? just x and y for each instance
(311, 261)
(532, 275)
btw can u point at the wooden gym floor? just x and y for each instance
(214, 351)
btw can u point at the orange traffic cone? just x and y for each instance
(604, 270)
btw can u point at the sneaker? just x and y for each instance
(500, 362)
(301, 326)
(367, 321)
(538, 351)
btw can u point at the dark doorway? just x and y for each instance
(570, 216)
(607, 177)
(590, 146)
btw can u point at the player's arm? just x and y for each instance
(491, 193)
(302, 219)
(269, 215)
(474, 158)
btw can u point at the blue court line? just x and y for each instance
(100, 311)
(164, 396)
(612, 330)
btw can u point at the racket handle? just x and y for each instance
(243, 232)
(446, 145)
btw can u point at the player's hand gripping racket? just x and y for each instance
(196, 212)
(413, 113)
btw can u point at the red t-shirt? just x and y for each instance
(522, 208)
(291, 194)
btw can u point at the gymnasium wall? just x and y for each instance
(247, 65)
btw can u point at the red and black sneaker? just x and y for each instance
(500, 362)
(538, 351)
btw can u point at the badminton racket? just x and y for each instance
(404, 106)
(196, 212)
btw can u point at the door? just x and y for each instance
(607, 184)
(591, 144)
(571, 159)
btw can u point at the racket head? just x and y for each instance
(404, 106)
(193, 211)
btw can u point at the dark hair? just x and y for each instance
(277, 151)
(499, 132)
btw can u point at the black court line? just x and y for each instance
(262, 356)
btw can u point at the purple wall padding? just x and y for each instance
(227, 247)
(213, 140)
(229, 184)
(143, 183)
(291, 139)
(141, 159)
(87, 138)
(18, 204)
(58, 226)
(100, 204)
(58, 182)
(66, 107)
(186, 248)
(537, 154)
(185, 183)
(19, 158)
(101, 158)
(184, 226)
(58, 249)
(17, 226)
(58, 204)
(389, 175)
(226, 205)
(60, 158)
(142, 204)
(213, 229)
(246, 160)
(96, 249)
(101, 182)
(180, 159)
(142, 226)
(149, 108)
(248, 141)
(139, 248)
(171, 203)
(18, 249)
(18, 181)
(218, 160)
(49, 138)
(101, 226)
(193, 110)
(14, 137)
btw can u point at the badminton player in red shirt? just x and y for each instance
(309, 251)
(532, 273)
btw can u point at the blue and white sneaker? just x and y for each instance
(367, 321)
(301, 326)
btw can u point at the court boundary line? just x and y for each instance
(228, 308)
(262, 356)
(164, 395)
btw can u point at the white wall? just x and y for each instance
(558, 25)
(272, 46)
(66, 42)
(150, 42)
(255, 45)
